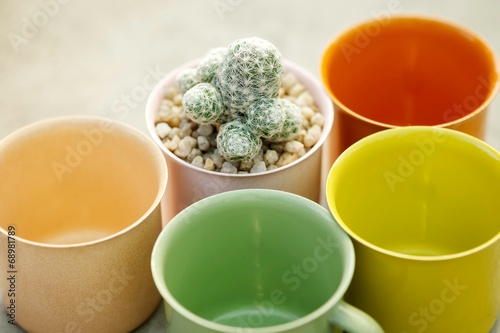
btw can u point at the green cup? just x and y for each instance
(256, 261)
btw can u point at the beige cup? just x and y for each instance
(81, 195)
(189, 184)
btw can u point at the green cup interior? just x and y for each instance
(253, 258)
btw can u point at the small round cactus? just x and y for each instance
(203, 104)
(187, 79)
(252, 69)
(236, 142)
(207, 68)
(292, 123)
(266, 117)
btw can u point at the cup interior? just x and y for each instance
(418, 190)
(253, 258)
(404, 71)
(78, 179)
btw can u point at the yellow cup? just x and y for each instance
(80, 213)
(421, 205)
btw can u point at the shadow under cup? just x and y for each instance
(82, 196)
(251, 259)
(403, 71)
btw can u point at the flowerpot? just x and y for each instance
(189, 184)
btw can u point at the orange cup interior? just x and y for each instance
(409, 71)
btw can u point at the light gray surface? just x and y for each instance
(93, 52)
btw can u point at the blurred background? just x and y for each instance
(95, 57)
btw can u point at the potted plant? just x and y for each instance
(240, 117)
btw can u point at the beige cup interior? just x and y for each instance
(74, 180)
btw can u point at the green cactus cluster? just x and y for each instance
(274, 119)
(252, 69)
(238, 88)
(236, 142)
(187, 79)
(208, 66)
(203, 104)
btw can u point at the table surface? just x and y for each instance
(94, 55)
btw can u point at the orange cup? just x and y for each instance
(408, 70)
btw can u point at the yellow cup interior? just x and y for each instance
(418, 191)
(74, 180)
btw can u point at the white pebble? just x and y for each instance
(282, 92)
(301, 135)
(228, 168)
(218, 159)
(296, 90)
(190, 141)
(174, 132)
(289, 81)
(198, 162)
(209, 165)
(192, 155)
(305, 123)
(185, 131)
(286, 158)
(173, 144)
(307, 112)
(246, 165)
(318, 119)
(203, 143)
(185, 147)
(271, 157)
(305, 99)
(163, 129)
(258, 167)
(272, 167)
(177, 99)
(205, 130)
(171, 92)
(302, 152)
(293, 146)
(312, 136)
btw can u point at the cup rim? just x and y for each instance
(381, 135)
(304, 77)
(158, 156)
(423, 17)
(231, 195)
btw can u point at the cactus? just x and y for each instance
(251, 70)
(203, 104)
(187, 79)
(236, 142)
(239, 90)
(266, 117)
(292, 123)
(207, 67)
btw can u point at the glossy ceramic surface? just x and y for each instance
(421, 205)
(258, 261)
(408, 70)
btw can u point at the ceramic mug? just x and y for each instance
(421, 205)
(408, 70)
(189, 184)
(256, 261)
(80, 212)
